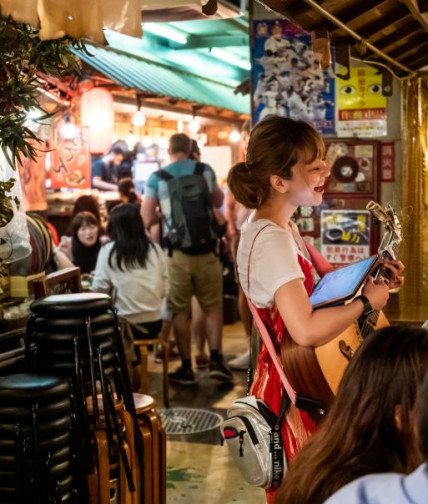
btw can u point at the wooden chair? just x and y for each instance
(65, 281)
(127, 327)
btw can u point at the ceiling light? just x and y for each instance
(230, 58)
(138, 119)
(234, 136)
(68, 129)
(194, 126)
(131, 140)
(147, 141)
(180, 126)
(163, 143)
(164, 31)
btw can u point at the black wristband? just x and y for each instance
(367, 305)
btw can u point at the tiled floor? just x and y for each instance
(199, 470)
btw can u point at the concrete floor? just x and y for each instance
(199, 470)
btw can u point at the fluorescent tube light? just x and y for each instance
(230, 58)
(164, 31)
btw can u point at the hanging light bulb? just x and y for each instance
(234, 136)
(131, 140)
(163, 143)
(147, 141)
(194, 125)
(68, 129)
(180, 126)
(138, 119)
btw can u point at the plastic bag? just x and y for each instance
(14, 235)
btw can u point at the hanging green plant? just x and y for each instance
(22, 56)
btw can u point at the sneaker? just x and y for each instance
(202, 361)
(182, 376)
(219, 371)
(160, 355)
(242, 362)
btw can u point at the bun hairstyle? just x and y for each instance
(127, 188)
(275, 146)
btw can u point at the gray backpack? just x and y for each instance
(194, 228)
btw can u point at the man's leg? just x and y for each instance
(182, 334)
(179, 303)
(208, 281)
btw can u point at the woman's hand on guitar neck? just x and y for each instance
(395, 273)
(377, 292)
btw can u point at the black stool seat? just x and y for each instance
(68, 337)
(72, 303)
(64, 323)
(31, 387)
(7, 446)
(44, 410)
(44, 427)
(55, 456)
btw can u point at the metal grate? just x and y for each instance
(189, 420)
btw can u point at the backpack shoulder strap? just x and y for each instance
(164, 175)
(199, 169)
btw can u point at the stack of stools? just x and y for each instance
(37, 465)
(77, 336)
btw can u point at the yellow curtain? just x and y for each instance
(414, 218)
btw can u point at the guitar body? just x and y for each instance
(315, 372)
(333, 361)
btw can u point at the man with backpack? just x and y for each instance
(186, 192)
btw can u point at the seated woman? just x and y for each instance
(133, 270)
(83, 246)
(127, 192)
(371, 426)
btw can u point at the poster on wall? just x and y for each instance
(345, 235)
(71, 162)
(361, 105)
(288, 78)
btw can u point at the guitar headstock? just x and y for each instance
(393, 235)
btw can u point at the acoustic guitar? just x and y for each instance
(315, 372)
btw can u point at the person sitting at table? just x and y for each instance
(83, 246)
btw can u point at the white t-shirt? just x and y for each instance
(137, 293)
(267, 271)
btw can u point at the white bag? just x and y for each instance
(253, 434)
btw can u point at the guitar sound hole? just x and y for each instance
(346, 350)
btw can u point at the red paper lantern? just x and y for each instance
(98, 115)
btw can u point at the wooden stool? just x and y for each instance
(154, 447)
(143, 344)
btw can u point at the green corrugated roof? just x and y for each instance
(135, 72)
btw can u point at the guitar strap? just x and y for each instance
(266, 338)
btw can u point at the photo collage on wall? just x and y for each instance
(288, 78)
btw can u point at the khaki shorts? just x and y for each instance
(198, 275)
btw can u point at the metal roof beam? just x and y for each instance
(198, 42)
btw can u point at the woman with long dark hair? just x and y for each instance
(83, 246)
(371, 426)
(133, 270)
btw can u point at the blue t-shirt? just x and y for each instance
(158, 188)
(392, 488)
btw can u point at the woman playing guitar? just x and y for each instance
(284, 169)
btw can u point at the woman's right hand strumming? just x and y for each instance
(377, 292)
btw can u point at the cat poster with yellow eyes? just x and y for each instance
(361, 107)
